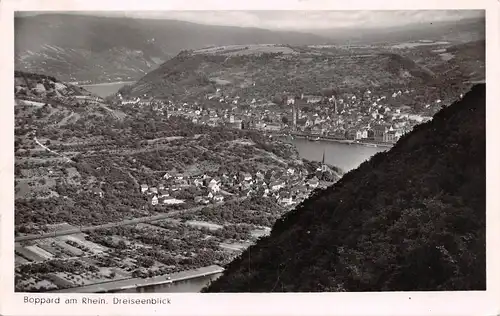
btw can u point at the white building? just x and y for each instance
(172, 201)
(275, 186)
(218, 198)
(286, 200)
(154, 200)
(313, 183)
(214, 186)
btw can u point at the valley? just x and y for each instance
(99, 174)
(145, 160)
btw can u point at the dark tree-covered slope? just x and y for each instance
(410, 219)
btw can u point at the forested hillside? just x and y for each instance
(410, 219)
(94, 49)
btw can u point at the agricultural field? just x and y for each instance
(122, 253)
(83, 218)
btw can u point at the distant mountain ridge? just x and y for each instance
(459, 31)
(94, 49)
(100, 49)
(410, 219)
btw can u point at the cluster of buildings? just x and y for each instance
(89, 99)
(369, 116)
(286, 187)
(134, 101)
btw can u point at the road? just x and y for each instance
(115, 113)
(50, 150)
(134, 221)
(125, 284)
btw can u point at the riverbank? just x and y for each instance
(82, 84)
(105, 89)
(106, 84)
(346, 141)
(346, 156)
(134, 283)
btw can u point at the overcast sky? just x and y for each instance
(297, 20)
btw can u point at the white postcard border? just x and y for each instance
(406, 303)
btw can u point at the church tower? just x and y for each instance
(294, 117)
(334, 104)
(323, 165)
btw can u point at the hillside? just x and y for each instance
(410, 219)
(99, 49)
(262, 71)
(81, 165)
(31, 85)
(46, 103)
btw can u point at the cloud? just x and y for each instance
(303, 20)
(314, 19)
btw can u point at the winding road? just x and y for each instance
(50, 150)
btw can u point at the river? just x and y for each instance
(194, 285)
(105, 89)
(344, 156)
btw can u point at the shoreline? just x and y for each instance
(347, 142)
(101, 84)
(117, 286)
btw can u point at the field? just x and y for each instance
(157, 248)
(79, 171)
(86, 171)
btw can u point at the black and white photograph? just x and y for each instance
(249, 151)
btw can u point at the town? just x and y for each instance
(174, 175)
(366, 117)
(288, 188)
(90, 188)
(151, 184)
(248, 151)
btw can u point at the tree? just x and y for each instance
(121, 245)
(279, 99)
(17, 170)
(328, 92)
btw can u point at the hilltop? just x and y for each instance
(32, 85)
(94, 49)
(262, 71)
(410, 219)
(45, 102)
